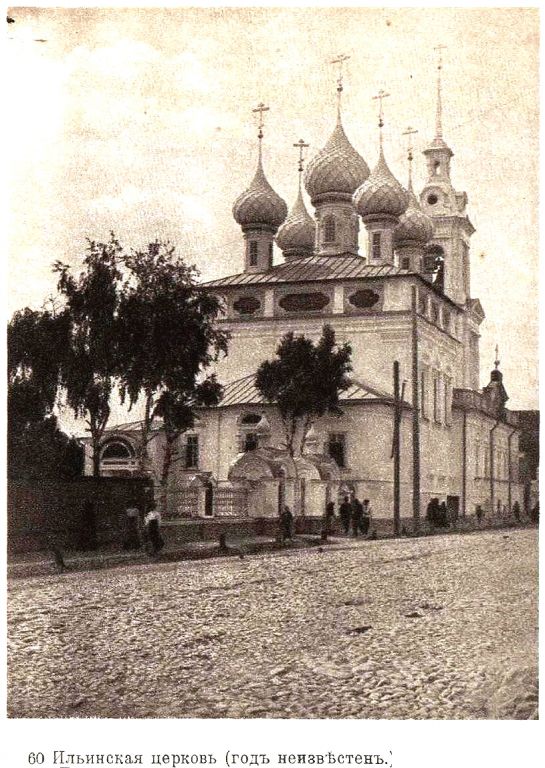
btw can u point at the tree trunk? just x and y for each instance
(95, 443)
(96, 459)
(165, 474)
(144, 462)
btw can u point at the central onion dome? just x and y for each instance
(414, 228)
(297, 234)
(259, 204)
(381, 194)
(337, 168)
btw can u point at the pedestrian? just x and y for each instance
(534, 514)
(329, 516)
(433, 513)
(286, 524)
(365, 517)
(357, 514)
(516, 511)
(443, 515)
(345, 513)
(132, 534)
(479, 514)
(152, 522)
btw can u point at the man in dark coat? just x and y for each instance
(365, 517)
(286, 523)
(345, 513)
(357, 514)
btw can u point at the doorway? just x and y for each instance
(209, 500)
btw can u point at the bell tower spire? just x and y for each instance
(439, 107)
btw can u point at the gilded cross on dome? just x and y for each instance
(301, 146)
(260, 108)
(409, 133)
(497, 360)
(340, 61)
(381, 95)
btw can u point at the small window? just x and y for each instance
(251, 418)
(437, 167)
(435, 312)
(375, 244)
(329, 229)
(477, 460)
(423, 394)
(405, 262)
(251, 442)
(192, 452)
(253, 253)
(436, 400)
(486, 461)
(337, 448)
(433, 199)
(270, 254)
(448, 398)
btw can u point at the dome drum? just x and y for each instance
(251, 229)
(332, 197)
(382, 218)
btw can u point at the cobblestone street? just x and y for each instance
(440, 627)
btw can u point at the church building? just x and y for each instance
(404, 297)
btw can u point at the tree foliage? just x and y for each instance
(37, 448)
(304, 381)
(91, 361)
(167, 339)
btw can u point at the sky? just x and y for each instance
(140, 122)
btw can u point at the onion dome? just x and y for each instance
(298, 232)
(414, 228)
(259, 204)
(381, 194)
(337, 168)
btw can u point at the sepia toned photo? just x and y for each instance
(273, 426)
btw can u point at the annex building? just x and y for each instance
(404, 295)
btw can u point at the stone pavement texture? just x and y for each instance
(430, 628)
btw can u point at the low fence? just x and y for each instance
(55, 514)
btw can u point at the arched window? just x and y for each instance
(253, 253)
(117, 450)
(434, 265)
(329, 229)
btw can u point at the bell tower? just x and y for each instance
(447, 209)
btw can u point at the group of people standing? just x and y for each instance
(355, 516)
(143, 528)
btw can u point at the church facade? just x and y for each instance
(406, 299)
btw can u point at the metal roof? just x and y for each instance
(244, 392)
(311, 268)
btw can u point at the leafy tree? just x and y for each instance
(304, 381)
(167, 338)
(91, 359)
(37, 448)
